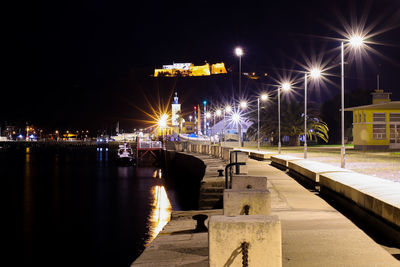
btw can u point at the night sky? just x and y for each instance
(88, 64)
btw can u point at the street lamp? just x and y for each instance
(315, 73)
(263, 97)
(285, 87)
(243, 105)
(239, 53)
(356, 41)
(227, 109)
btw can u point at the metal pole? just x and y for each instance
(305, 115)
(223, 131)
(279, 120)
(205, 119)
(240, 94)
(342, 150)
(239, 128)
(258, 125)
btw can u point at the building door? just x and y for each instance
(394, 136)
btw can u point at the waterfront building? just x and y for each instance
(377, 126)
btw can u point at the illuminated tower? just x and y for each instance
(176, 110)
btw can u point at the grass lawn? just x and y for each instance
(383, 164)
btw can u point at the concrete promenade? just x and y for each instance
(313, 233)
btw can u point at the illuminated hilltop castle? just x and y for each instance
(188, 69)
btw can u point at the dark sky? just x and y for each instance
(87, 64)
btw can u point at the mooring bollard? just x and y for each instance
(200, 226)
(258, 202)
(253, 240)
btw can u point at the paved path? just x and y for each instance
(313, 233)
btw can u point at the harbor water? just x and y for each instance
(77, 207)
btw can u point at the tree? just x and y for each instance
(292, 122)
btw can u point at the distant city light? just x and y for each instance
(228, 109)
(218, 112)
(243, 104)
(208, 115)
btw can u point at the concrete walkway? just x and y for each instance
(313, 233)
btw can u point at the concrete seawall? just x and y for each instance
(313, 232)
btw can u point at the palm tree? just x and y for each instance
(292, 122)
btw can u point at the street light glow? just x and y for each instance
(218, 112)
(286, 86)
(243, 104)
(208, 115)
(236, 117)
(239, 51)
(356, 41)
(162, 122)
(228, 109)
(315, 73)
(264, 97)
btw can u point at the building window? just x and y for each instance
(394, 117)
(359, 118)
(379, 126)
(365, 117)
(355, 118)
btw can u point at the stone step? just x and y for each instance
(212, 189)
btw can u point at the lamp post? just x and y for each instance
(264, 97)
(356, 41)
(286, 87)
(239, 53)
(217, 113)
(205, 119)
(315, 73)
(228, 110)
(243, 106)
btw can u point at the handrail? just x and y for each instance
(229, 166)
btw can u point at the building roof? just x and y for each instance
(388, 105)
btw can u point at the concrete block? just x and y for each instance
(262, 155)
(312, 169)
(283, 159)
(226, 152)
(245, 182)
(259, 202)
(371, 193)
(261, 232)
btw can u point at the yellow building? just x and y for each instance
(377, 126)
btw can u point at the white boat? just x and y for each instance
(125, 154)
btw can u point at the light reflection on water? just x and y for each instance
(161, 209)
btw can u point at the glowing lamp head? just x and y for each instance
(162, 122)
(315, 73)
(264, 97)
(243, 104)
(228, 109)
(239, 51)
(356, 41)
(218, 112)
(204, 102)
(208, 115)
(286, 86)
(236, 117)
